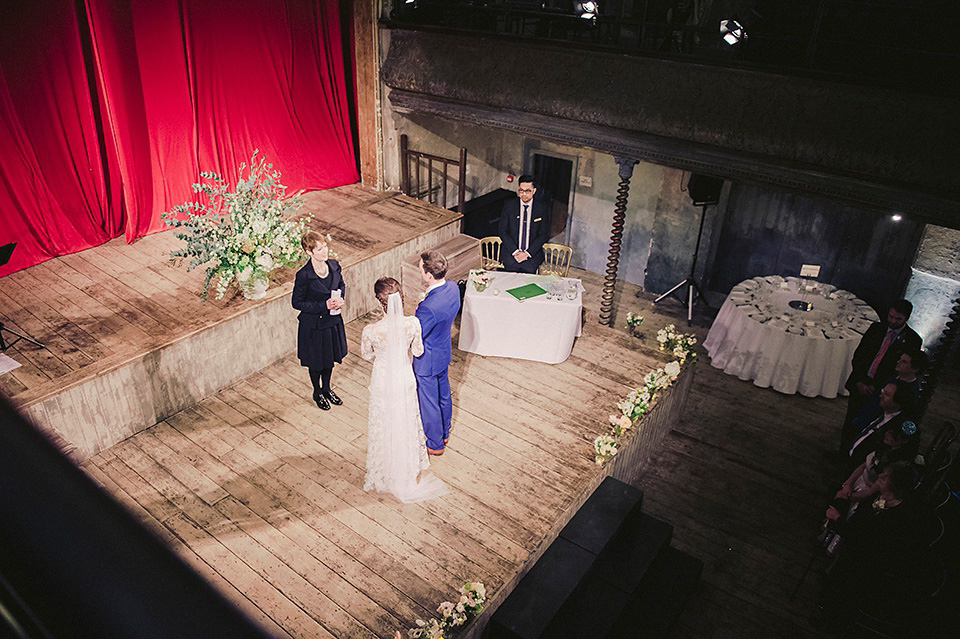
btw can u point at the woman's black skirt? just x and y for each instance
(321, 347)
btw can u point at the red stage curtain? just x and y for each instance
(110, 113)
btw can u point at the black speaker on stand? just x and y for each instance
(704, 191)
(5, 252)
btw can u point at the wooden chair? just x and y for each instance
(490, 254)
(556, 260)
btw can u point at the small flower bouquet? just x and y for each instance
(634, 320)
(481, 280)
(605, 447)
(243, 234)
(679, 344)
(452, 615)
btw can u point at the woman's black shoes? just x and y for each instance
(321, 401)
(325, 398)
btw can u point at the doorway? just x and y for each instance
(552, 175)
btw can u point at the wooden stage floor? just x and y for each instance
(262, 492)
(97, 309)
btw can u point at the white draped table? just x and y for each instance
(495, 323)
(758, 336)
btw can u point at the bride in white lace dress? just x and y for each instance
(396, 449)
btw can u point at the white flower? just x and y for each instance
(265, 261)
(672, 369)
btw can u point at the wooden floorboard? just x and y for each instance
(265, 491)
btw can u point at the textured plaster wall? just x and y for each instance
(935, 281)
(493, 154)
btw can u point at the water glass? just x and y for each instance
(572, 290)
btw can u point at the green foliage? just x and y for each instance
(242, 234)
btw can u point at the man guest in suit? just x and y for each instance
(875, 361)
(436, 314)
(524, 227)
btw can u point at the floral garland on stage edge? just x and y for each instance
(452, 615)
(680, 344)
(640, 399)
(242, 235)
(633, 407)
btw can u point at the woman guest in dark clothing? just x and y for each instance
(318, 294)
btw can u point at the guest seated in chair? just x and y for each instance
(880, 552)
(524, 227)
(896, 403)
(909, 369)
(899, 447)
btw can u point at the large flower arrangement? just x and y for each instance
(679, 344)
(452, 615)
(242, 235)
(632, 407)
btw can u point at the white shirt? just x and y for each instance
(523, 235)
(435, 285)
(873, 427)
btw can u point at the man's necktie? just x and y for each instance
(524, 227)
(866, 432)
(872, 371)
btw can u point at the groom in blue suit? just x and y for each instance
(436, 314)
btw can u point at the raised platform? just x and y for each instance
(262, 492)
(198, 417)
(130, 342)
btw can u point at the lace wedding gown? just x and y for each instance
(396, 448)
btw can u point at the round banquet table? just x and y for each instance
(758, 336)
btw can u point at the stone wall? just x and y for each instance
(661, 223)
(935, 282)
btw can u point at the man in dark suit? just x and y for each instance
(524, 227)
(896, 405)
(875, 361)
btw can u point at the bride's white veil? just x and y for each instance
(402, 449)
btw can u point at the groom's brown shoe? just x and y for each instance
(431, 451)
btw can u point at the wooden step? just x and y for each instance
(557, 576)
(657, 604)
(602, 515)
(542, 592)
(607, 590)
(462, 253)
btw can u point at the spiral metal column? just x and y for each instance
(616, 236)
(948, 340)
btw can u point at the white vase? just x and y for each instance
(255, 288)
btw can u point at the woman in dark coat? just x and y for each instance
(318, 294)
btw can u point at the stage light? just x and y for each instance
(737, 29)
(732, 32)
(896, 217)
(587, 10)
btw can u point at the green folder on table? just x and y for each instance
(526, 291)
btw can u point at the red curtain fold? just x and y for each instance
(110, 112)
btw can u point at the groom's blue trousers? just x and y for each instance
(436, 407)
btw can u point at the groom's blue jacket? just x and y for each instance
(436, 314)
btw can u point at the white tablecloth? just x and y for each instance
(758, 336)
(495, 323)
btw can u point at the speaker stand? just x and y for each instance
(691, 281)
